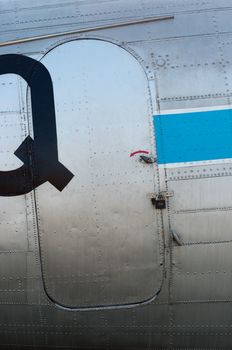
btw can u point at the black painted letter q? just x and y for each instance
(39, 155)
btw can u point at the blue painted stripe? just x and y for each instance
(194, 136)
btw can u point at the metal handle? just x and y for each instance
(147, 159)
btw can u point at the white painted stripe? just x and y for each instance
(192, 110)
(198, 163)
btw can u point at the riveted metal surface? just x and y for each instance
(44, 19)
(188, 64)
(188, 272)
(206, 78)
(207, 169)
(215, 324)
(200, 211)
(199, 194)
(14, 211)
(108, 221)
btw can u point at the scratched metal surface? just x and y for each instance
(187, 62)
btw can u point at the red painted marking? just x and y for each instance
(138, 152)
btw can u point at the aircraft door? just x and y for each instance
(99, 238)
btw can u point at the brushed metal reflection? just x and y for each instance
(98, 237)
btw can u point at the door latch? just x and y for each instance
(159, 200)
(147, 159)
